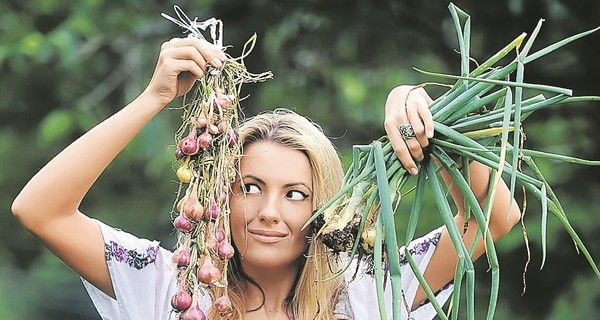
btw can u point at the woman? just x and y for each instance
(288, 167)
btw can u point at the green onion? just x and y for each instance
(474, 120)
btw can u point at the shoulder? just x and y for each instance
(143, 277)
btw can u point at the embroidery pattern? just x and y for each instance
(420, 248)
(133, 258)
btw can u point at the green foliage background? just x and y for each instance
(66, 65)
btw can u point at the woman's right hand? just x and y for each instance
(181, 61)
(48, 205)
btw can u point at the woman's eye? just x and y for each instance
(250, 188)
(296, 195)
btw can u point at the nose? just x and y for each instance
(269, 213)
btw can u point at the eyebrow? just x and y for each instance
(287, 185)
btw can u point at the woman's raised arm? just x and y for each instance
(408, 105)
(48, 206)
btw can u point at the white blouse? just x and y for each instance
(143, 276)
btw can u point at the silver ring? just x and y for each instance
(407, 131)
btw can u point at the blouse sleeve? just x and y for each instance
(362, 292)
(142, 275)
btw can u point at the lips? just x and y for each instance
(267, 236)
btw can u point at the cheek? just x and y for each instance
(237, 216)
(298, 219)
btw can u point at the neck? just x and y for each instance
(276, 284)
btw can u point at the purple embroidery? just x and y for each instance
(132, 258)
(420, 248)
(415, 248)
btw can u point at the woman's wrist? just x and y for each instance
(151, 101)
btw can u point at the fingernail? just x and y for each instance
(217, 63)
(222, 56)
(429, 133)
(414, 171)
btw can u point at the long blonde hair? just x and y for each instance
(312, 297)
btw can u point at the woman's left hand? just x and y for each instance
(408, 124)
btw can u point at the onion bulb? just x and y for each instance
(183, 224)
(208, 272)
(192, 209)
(193, 313)
(212, 212)
(205, 140)
(232, 137)
(182, 257)
(189, 144)
(181, 300)
(223, 305)
(201, 121)
(184, 173)
(225, 250)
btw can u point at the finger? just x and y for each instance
(219, 53)
(168, 44)
(425, 113)
(190, 66)
(400, 147)
(211, 53)
(415, 148)
(187, 53)
(174, 64)
(409, 106)
(413, 104)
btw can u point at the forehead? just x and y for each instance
(276, 163)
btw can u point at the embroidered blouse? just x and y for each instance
(143, 278)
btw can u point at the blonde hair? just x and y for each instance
(315, 294)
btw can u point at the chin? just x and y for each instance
(264, 259)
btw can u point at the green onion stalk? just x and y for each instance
(474, 120)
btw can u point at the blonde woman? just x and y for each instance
(287, 169)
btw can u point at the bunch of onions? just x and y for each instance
(474, 120)
(206, 149)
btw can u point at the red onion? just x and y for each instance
(208, 272)
(181, 300)
(183, 224)
(231, 137)
(189, 144)
(204, 140)
(193, 313)
(182, 257)
(223, 305)
(192, 209)
(222, 101)
(212, 212)
(211, 243)
(223, 197)
(179, 154)
(225, 250)
(219, 234)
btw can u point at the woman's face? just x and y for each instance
(269, 205)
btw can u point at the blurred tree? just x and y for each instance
(65, 66)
